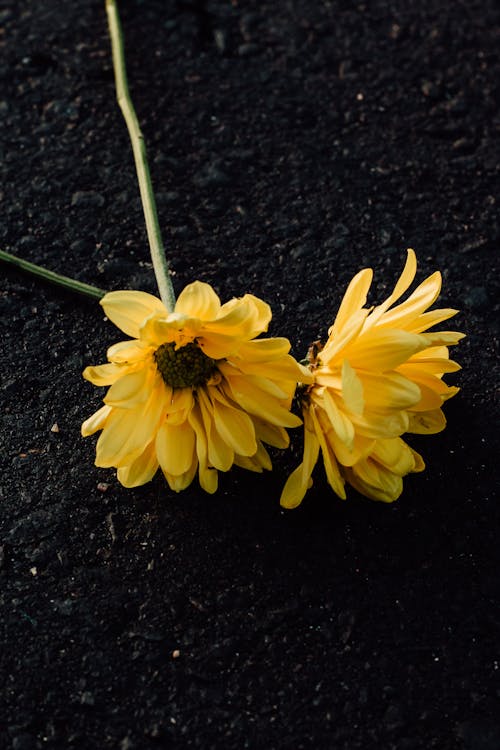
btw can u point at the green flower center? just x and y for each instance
(183, 367)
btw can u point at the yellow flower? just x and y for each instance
(378, 376)
(194, 390)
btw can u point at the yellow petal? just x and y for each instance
(131, 389)
(431, 365)
(242, 318)
(352, 389)
(174, 328)
(423, 297)
(175, 448)
(340, 422)
(235, 428)
(218, 346)
(258, 462)
(427, 423)
(127, 432)
(285, 368)
(395, 455)
(262, 316)
(96, 422)
(429, 319)
(264, 350)
(300, 480)
(390, 391)
(331, 466)
(353, 301)
(209, 479)
(129, 309)
(256, 382)
(207, 475)
(373, 424)
(419, 464)
(404, 281)
(380, 350)
(374, 481)
(443, 338)
(177, 483)
(345, 454)
(220, 454)
(256, 401)
(271, 434)
(338, 341)
(104, 374)
(180, 401)
(125, 352)
(198, 300)
(142, 470)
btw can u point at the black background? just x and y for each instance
(291, 144)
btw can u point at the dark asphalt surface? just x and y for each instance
(291, 144)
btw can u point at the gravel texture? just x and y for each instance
(291, 144)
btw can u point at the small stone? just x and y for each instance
(103, 486)
(220, 39)
(176, 653)
(87, 698)
(55, 427)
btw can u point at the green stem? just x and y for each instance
(52, 277)
(160, 264)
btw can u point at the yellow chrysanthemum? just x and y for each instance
(378, 376)
(194, 390)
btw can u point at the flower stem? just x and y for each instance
(52, 277)
(160, 264)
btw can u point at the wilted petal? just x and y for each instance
(390, 391)
(331, 466)
(381, 350)
(255, 401)
(175, 448)
(235, 428)
(142, 470)
(125, 352)
(264, 350)
(96, 422)
(354, 299)
(129, 309)
(402, 285)
(179, 482)
(198, 300)
(352, 389)
(130, 390)
(427, 423)
(300, 480)
(104, 374)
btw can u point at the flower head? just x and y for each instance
(378, 376)
(193, 391)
